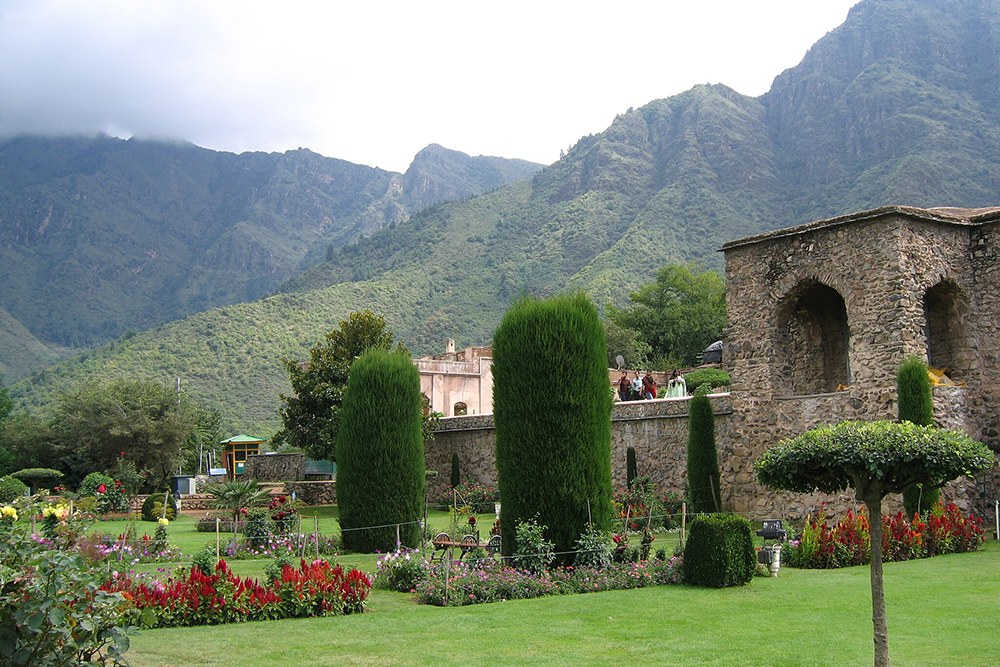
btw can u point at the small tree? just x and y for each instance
(875, 459)
(237, 495)
(456, 472)
(631, 467)
(311, 415)
(552, 410)
(916, 405)
(380, 453)
(704, 488)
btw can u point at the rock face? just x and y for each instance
(276, 467)
(840, 304)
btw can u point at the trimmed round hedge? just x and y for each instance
(719, 551)
(11, 488)
(148, 513)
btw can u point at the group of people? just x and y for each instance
(644, 388)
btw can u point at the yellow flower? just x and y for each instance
(163, 521)
(8, 512)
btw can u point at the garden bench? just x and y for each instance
(443, 542)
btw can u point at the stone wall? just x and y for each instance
(313, 493)
(906, 282)
(276, 467)
(656, 429)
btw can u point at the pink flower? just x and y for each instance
(102, 488)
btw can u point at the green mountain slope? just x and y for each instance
(99, 235)
(23, 353)
(897, 106)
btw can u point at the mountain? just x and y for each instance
(99, 236)
(896, 106)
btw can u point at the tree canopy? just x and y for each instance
(311, 415)
(875, 459)
(678, 316)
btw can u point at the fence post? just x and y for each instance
(216, 541)
(684, 513)
(316, 533)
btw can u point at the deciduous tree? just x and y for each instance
(311, 415)
(679, 315)
(875, 459)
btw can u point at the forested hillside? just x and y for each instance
(897, 106)
(99, 236)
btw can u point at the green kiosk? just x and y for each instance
(235, 451)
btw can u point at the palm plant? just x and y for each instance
(235, 495)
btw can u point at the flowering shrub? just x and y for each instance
(533, 552)
(849, 541)
(480, 498)
(278, 546)
(128, 548)
(400, 571)
(492, 581)
(196, 598)
(634, 505)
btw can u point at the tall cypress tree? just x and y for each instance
(380, 453)
(916, 405)
(702, 457)
(552, 412)
(631, 467)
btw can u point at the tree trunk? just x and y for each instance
(881, 626)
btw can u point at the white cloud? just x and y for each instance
(375, 82)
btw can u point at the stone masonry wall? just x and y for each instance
(656, 429)
(882, 266)
(276, 467)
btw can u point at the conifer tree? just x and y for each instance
(916, 405)
(380, 453)
(456, 473)
(702, 457)
(631, 469)
(552, 412)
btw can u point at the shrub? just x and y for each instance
(916, 405)
(11, 488)
(719, 551)
(532, 552)
(631, 468)
(593, 549)
(150, 511)
(204, 560)
(90, 483)
(702, 457)
(479, 498)
(400, 571)
(706, 377)
(53, 611)
(257, 528)
(380, 453)
(552, 411)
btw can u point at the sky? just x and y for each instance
(374, 82)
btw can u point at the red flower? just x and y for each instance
(123, 453)
(472, 521)
(102, 488)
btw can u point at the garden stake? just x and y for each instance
(216, 540)
(714, 499)
(302, 554)
(590, 518)
(447, 576)
(397, 538)
(684, 513)
(316, 534)
(996, 514)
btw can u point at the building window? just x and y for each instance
(461, 409)
(812, 341)
(945, 310)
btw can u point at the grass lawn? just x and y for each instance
(942, 611)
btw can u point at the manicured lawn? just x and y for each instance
(942, 611)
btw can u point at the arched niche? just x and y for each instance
(945, 311)
(811, 354)
(461, 409)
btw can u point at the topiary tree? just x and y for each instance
(36, 477)
(702, 457)
(380, 453)
(719, 551)
(552, 411)
(456, 474)
(706, 377)
(631, 467)
(875, 459)
(916, 405)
